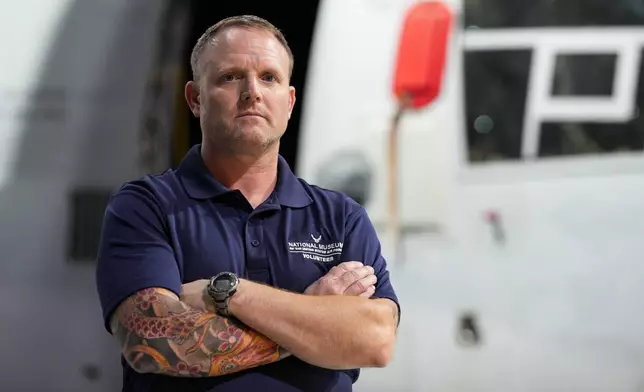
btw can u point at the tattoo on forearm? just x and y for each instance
(160, 334)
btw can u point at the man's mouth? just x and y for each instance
(250, 115)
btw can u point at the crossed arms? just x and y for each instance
(171, 329)
(333, 324)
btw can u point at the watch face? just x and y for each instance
(224, 283)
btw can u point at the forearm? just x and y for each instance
(160, 334)
(336, 332)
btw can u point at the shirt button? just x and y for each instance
(254, 243)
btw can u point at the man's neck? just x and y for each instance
(254, 176)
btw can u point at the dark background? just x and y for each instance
(296, 20)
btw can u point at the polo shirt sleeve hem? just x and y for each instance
(390, 297)
(362, 244)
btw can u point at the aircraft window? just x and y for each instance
(87, 207)
(496, 82)
(582, 75)
(495, 90)
(574, 71)
(552, 13)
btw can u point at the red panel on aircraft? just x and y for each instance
(421, 53)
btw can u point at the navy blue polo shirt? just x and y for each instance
(182, 225)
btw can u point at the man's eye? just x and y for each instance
(270, 78)
(228, 78)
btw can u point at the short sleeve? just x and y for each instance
(134, 251)
(362, 244)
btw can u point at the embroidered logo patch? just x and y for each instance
(317, 249)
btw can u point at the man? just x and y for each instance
(230, 273)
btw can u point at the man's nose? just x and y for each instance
(251, 90)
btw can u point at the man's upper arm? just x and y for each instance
(362, 244)
(134, 251)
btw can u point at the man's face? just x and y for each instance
(243, 96)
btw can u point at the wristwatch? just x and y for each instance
(221, 287)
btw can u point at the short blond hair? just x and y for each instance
(247, 21)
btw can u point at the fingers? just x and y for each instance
(342, 268)
(355, 275)
(348, 278)
(330, 284)
(361, 285)
(368, 293)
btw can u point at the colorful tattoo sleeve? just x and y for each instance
(160, 334)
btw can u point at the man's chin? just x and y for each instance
(254, 141)
(254, 134)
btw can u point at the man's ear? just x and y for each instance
(192, 97)
(291, 102)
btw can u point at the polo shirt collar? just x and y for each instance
(289, 190)
(200, 184)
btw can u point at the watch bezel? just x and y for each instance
(221, 295)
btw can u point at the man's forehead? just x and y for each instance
(242, 40)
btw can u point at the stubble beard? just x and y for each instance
(237, 142)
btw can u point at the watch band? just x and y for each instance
(222, 307)
(220, 296)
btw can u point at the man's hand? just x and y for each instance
(348, 278)
(195, 295)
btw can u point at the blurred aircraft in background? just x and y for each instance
(497, 145)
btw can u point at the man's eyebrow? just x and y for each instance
(269, 68)
(227, 68)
